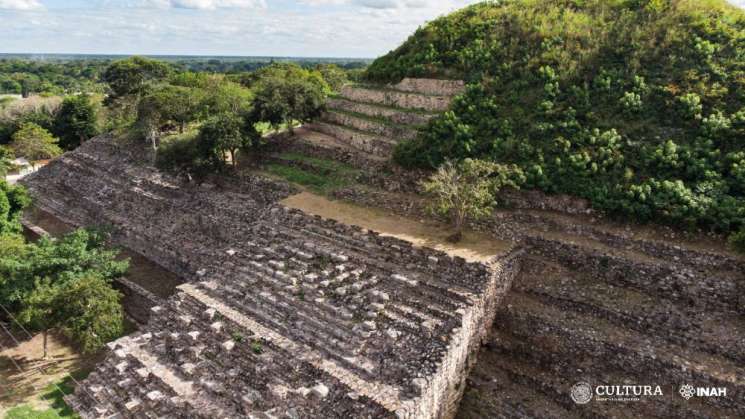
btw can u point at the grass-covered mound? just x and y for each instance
(637, 105)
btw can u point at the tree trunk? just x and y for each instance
(232, 158)
(44, 333)
(181, 127)
(154, 143)
(458, 222)
(290, 127)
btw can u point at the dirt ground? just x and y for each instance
(475, 247)
(25, 376)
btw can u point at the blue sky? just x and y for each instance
(330, 28)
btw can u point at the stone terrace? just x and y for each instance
(284, 314)
(369, 121)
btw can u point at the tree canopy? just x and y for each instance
(467, 190)
(133, 75)
(13, 200)
(61, 261)
(63, 284)
(34, 143)
(76, 121)
(287, 93)
(226, 134)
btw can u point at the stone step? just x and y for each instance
(637, 242)
(318, 144)
(491, 393)
(396, 98)
(705, 288)
(368, 143)
(519, 362)
(583, 342)
(721, 333)
(395, 115)
(431, 86)
(389, 130)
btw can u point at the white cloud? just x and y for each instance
(740, 3)
(20, 5)
(388, 4)
(208, 4)
(341, 28)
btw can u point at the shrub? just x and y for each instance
(737, 241)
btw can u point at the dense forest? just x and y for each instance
(59, 75)
(637, 105)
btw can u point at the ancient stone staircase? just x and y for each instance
(352, 324)
(369, 121)
(577, 314)
(608, 304)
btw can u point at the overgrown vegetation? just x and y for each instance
(199, 123)
(467, 190)
(636, 105)
(53, 394)
(62, 284)
(319, 175)
(154, 99)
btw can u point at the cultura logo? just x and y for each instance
(581, 393)
(687, 391)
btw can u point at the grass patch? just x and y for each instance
(53, 394)
(316, 182)
(328, 176)
(329, 165)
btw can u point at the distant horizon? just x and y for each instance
(268, 57)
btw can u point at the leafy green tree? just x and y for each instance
(6, 156)
(34, 143)
(287, 93)
(467, 190)
(225, 96)
(87, 310)
(75, 121)
(13, 200)
(334, 76)
(132, 76)
(167, 104)
(225, 134)
(60, 261)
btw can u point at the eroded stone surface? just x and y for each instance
(284, 315)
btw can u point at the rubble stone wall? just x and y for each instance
(394, 115)
(431, 86)
(397, 99)
(368, 325)
(671, 281)
(369, 143)
(396, 133)
(137, 301)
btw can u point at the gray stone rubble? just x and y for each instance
(283, 314)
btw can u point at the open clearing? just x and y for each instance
(31, 387)
(475, 247)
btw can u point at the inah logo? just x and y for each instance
(581, 393)
(687, 391)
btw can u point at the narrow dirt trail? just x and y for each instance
(475, 247)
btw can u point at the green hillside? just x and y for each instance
(637, 105)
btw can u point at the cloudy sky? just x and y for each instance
(329, 28)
